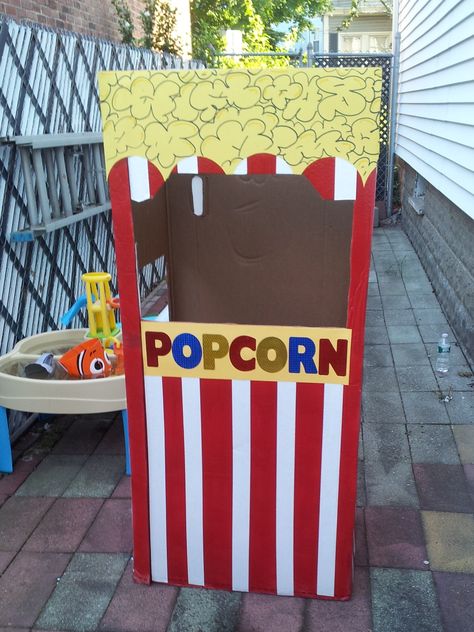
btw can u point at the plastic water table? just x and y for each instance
(54, 396)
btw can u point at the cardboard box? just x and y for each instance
(258, 188)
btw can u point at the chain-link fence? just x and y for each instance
(48, 86)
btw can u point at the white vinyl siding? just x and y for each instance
(435, 130)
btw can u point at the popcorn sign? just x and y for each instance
(292, 354)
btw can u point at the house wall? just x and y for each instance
(90, 17)
(434, 140)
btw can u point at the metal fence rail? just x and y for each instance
(48, 86)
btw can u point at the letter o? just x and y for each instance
(186, 340)
(281, 354)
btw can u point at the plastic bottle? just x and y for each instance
(442, 360)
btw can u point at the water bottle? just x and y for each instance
(442, 359)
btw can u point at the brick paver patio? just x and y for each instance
(65, 528)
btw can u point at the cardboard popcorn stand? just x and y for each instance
(257, 187)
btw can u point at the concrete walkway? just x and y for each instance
(65, 533)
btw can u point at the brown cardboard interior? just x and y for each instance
(268, 250)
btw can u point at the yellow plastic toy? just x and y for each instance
(100, 306)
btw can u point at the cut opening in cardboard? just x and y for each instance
(249, 249)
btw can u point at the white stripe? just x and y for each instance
(285, 486)
(193, 479)
(188, 165)
(345, 180)
(157, 474)
(241, 168)
(240, 484)
(138, 178)
(329, 491)
(282, 166)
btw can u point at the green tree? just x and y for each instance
(257, 19)
(158, 20)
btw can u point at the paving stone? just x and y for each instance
(83, 435)
(374, 302)
(139, 607)
(361, 557)
(382, 408)
(458, 378)
(424, 408)
(469, 473)
(395, 302)
(26, 585)
(112, 528)
(5, 559)
(399, 317)
(9, 483)
(52, 476)
(381, 379)
(84, 592)
(464, 437)
(98, 477)
(416, 378)
(404, 601)
(449, 538)
(377, 355)
(432, 444)
(376, 335)
(64, 526)
(430, 316)
(395, 537)
(390, 486)
(456, 600)
(18, 518)
(201, 609)
(389, 276)
(432, 333)
(341, 616)
(260, 613)
(361, 498)
(123, 489)
(392, 288)
(417, 286)
(442, 487)
(375, 318)
(409, 355)
(403, 334)
(112, 442)
(461, 408)
(3, 498)
(386, 444)
(373, 290)
(424, 301)
(372, 276)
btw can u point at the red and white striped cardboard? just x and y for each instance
(236, 484)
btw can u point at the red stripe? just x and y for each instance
(321, 174)
(155, 178)
(261, 164)
(216, 419)
(175, 483)
(130, 315)
(308, 442)
(360, 263)
(262, 554)
(205, 165)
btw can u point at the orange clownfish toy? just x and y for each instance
(87, 360)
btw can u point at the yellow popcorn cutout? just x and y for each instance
(229, 115)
